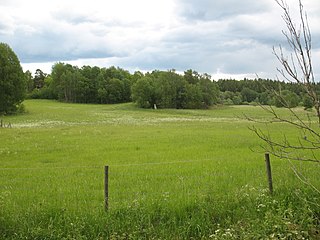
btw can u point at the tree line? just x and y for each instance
(156, 89)
(264, 92)
(161, 89)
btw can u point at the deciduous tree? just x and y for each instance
(12, 80)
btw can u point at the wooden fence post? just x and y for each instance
(106, 187)
(269, 173)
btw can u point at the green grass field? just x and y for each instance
(173, 174)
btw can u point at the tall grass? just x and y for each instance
(174, 174)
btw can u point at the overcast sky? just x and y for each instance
(225, 38)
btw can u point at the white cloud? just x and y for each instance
(219, 37)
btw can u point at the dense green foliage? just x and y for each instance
(263, 92)
(171, 90)
(90, 85)
(161, 89)
(174, 174)
(12, 80)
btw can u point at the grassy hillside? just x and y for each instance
(174, 174)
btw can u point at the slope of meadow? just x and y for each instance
(174, 174)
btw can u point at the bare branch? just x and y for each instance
(295, 68)
(302, 178)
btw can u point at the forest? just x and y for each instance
(157, 89)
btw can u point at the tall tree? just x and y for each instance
(29, 81)
(210, 91)
(12, 80)
(58, 74)
(166, 89)
(191, 76)
(90, 91)
(38, 79)
(114, 91)
(143, 92)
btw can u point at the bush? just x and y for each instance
(307, 102)
(287, 99)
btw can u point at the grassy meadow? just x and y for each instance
(174, 174)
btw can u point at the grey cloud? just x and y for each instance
(220, 9)
(208, 48)
(70, 17)
(49, 46)
(204, 54)
(248, 29)
(234, 37)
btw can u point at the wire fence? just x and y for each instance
(129, 185)
(112, 165)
